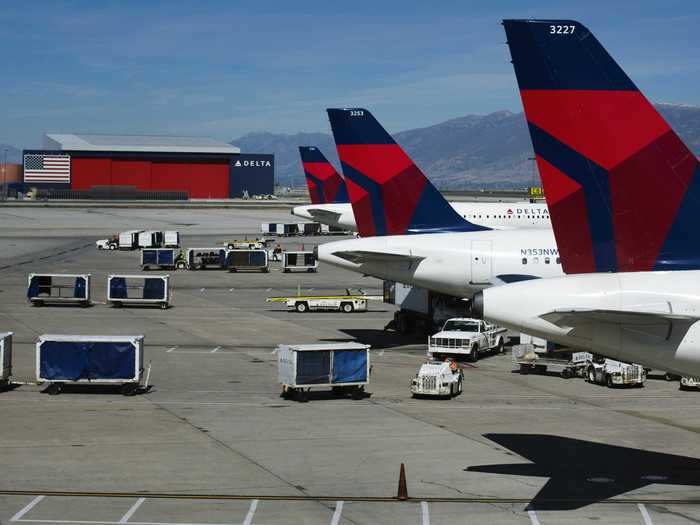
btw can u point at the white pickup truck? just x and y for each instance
(469, 337)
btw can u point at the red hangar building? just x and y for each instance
(202, 168)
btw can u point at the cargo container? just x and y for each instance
(171, 239)
(344, 367)
(295, 261)
(55, 288)
(150, 239)
(309, 228)
(247, 260)
(5, 359)
(129, 240)
(161, 258)
(284, 229)
(201, 258)
(138, 289)
(94, 359)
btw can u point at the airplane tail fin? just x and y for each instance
(390, 195)
(622, 187)
(324, 182)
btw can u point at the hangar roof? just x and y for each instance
(136, 143)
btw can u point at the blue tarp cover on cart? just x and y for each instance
(117, 288)
(74, 360)
(349, 366)
(313, 368)
(154, 288)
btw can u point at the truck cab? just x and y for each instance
(468, 337)
(438, 378)
(613, 373)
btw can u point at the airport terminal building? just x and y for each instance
(186, 167)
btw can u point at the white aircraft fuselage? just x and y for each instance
(498, 215)
(457, 264)
(649, 318)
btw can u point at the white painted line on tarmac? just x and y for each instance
(126, 517)
(338, 513)
(171, 349)
(533, 517)
(215, 350)
(425, 511)
(26, 509)
(645, 514)
(251, 512)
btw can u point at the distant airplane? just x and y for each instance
(584, 472)
(330, 203)
(623, 191)
(410, 233)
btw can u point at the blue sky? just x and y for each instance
(222, 69)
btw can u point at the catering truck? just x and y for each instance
(467, 337)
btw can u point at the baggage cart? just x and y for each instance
(150, 239)
(171, 239)
(299, 261)
(566, 364)
(59, 288)
(5, 359)
(161, 258)
(129, 240)
(247, 260)
(138, 289)
(94, 359)
(343, 367)
(202, 258)
(309, 228)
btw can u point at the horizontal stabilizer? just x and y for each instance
(363, 256)
(657, 324)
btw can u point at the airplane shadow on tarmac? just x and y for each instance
(381, 339)
(584, 472)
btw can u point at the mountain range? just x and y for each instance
(471, 152)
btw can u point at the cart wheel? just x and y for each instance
(609, 381)
(591, 374)
(129, 389)
(302, 396)
(180, 266)
(302, 307)
(524, 369)
(117, 304)
(338, 391)
(84, 304)
(347, 308)
(112, 247)
(37, 303)
(566, 373)
(474, 354)
(54, 389)
(501, 347)
(286, 270)
(163, 306)
(357, 393)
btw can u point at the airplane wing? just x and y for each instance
(362, 256)
(324, 216)
(659, 324)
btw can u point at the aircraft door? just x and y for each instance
(481, 262)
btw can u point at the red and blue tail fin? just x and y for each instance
(623, 189)
(325, 183)
(389, 193)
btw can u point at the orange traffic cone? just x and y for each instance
(403, 491)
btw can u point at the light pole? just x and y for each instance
(4, 179)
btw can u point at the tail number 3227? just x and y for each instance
(561, 30)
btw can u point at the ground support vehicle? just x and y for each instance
(528, 360)
(438, 378)
(138, 289)
(689, 383)
(171, 239)
(333, 230)
(242, 244)
(343, 367)
(161, 258)
(613, 373)
(309, 228)
(59, 288)
(347, 303)
(129, 240)
(93, 359)
(283, 229)
(5, 359)
(202, 258)
(108, 244)
(463, 336)
(299, 261)
(247, 260)
(421, 310)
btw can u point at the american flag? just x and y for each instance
(46, 168)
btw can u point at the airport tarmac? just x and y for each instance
(213, 443)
